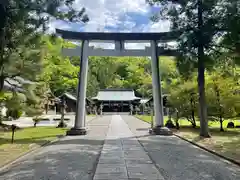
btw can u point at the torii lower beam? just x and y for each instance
(112, 52)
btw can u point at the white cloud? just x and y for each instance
(104, 13)
(107, 15)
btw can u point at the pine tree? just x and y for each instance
(22, 23)
(200, 22)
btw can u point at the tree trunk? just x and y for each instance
(46, 107)
(3, 22)
(204, 132)
(221, 123)
(1, 83)
(177, 123)
(192, 112)
(62, 115)
(192, 122)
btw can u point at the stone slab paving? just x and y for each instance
(122, 156)
(111, 151)
(71, 158)
(177, 159)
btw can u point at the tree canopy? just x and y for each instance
(22, 24)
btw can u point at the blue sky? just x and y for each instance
(115, 16)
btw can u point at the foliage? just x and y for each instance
(183, 98)
(124, 72)
(58, 73)
(222, 95)
(21, 26)
(208, 28)
(223, 99)
(35, 102)
(14, 103)
(15, 114)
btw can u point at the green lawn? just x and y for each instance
(183, 122)
(226, 143)
(25, 140)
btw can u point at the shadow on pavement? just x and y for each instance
(178, 159)
(71, 158)
(66, 159)
(76, 158)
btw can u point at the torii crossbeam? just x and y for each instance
(118, 39)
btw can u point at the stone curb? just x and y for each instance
(203, 148)
(95, 117)
(24, 155)
(31, 151)
(209, 150)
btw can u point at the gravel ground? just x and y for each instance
(71, 158)
(111, 151)
(177, 159)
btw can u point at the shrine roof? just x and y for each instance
(116, 95)
(70, 96)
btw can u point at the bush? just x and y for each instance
(15, 114)
(230, 125)
(170, 124)
(62, 125)
(36, 121)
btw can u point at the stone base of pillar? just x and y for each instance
(76, 132)
(159, 130)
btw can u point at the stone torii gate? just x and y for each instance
(118, 39)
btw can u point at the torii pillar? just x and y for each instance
(159, 128)
(80, 119)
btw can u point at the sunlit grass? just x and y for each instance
(184, 122)
(25, 140)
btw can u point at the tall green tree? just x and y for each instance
(201, 24)
(59, 73)
(22, 23)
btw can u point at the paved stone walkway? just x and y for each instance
(123, 157)
(119, 147)
(177, 159)
(71, 158)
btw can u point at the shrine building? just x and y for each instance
(116, 100)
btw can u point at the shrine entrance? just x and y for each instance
(115, 100)
(119, 40)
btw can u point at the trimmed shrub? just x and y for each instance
(15, 114)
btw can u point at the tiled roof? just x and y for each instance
(70, 96)
(16, 83)
(116, 95)
(143, 101)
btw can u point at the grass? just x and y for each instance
(183, 122)
(91, 115)
(226, 143)
(25, 140)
